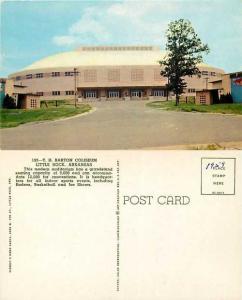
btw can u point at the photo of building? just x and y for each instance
(105, 73)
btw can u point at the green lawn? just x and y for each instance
(15, 117)
(233, 108)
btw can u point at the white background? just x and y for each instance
(64, 239)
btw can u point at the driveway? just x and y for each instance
(124, 125)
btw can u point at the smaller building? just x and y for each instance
(28, 101)
(22, 98)
(230, 83)
(206, 97)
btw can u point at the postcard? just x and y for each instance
(121, 225)
(121, 138)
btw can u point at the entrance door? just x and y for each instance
(158, 93)
(113, 94)
(90, 94)
(136, 93)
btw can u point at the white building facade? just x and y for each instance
(105, 73)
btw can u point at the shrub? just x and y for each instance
(226, 98)
(8, 102)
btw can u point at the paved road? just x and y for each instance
(124, 125)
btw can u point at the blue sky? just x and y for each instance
(31, 30)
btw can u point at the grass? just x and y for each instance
(207, 147)
(15, 117)
(234, 108)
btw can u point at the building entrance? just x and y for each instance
(136, 93)
(158, 93)
(90, 94)
(113, 94)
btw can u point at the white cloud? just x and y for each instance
(130, 22)
(88, 25)
(138, 9)
(64, 40)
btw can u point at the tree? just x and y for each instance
(8, 102)
(184, 53)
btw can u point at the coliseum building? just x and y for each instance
(104, 73)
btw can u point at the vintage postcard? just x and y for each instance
(121, 138)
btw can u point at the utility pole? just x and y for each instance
(206, 78)
(75, 84)
(167, 89)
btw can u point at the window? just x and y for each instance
(204, 72)
(69, 92)
(213, 74)
(40, 94)
(33, 103)
(191, 90)
(18, 78)
(55, 93)
(136, 93)
(68, 73)
(202, 99)
(29, 76)
(137, 74)
(113, 94)
(55, 74)
(90, 75)
(158, 93)
(113, 75)
(90, 94)
(39, 75)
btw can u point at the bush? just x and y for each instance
(226, 98)
(8, 102)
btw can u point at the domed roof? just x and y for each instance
(101, 56)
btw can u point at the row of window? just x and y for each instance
(41, 75)
(206, 73)
(56, 93)
(191, 90)
(91, 75)
(110, 94)
(113, 75)
(116, 94)
(115, 48)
